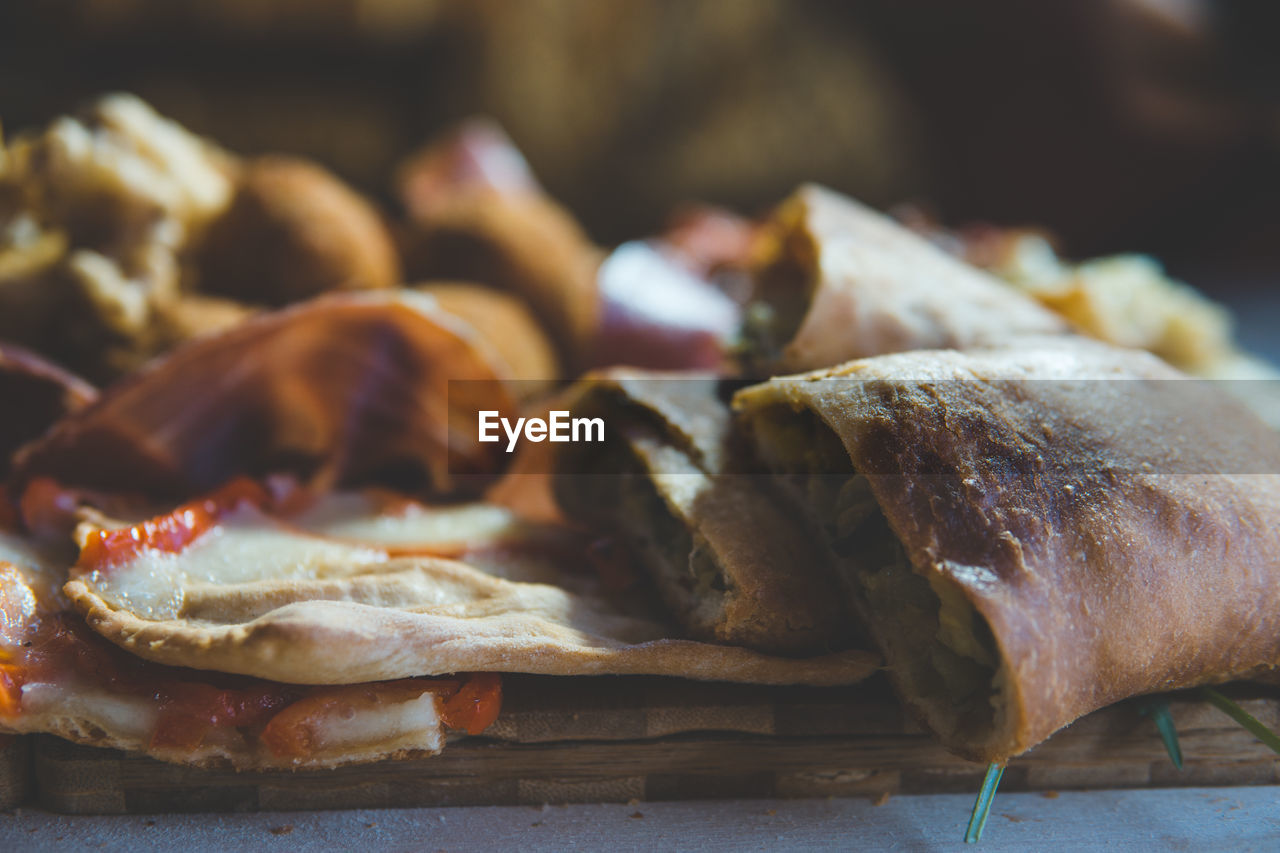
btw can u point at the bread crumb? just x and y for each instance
(637, 814)
(772, 812)
(1050, 795)
(282, 830)
(881, 800)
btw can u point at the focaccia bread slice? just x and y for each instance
(1033, 534)
(728, 559)
(227, 584)
(58, 677)
(836, 281)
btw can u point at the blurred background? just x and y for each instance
(1147, 125)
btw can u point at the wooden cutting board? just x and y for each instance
(617, 739)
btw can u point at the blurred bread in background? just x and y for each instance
(1119, 125)
(293, 231)
(622, 107)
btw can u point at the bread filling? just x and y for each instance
(786, 284)
(940, 650)
(687, 563)
(689, 580)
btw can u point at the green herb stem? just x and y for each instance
(1158, 711)
(1243, 717)
(982, 807)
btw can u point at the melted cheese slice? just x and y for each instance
(26, 578)
(410, 724)
(489, 537)
(358, 517)
(245, 547)
(126, 718)
(341, 536)
(81, 712)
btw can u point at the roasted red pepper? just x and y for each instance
(469, 705)
(475, 706)
(190, 710)
(171, 532)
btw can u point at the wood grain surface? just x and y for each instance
(15, 770)
(617, 739)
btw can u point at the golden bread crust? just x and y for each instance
(775, 591)
(1083, 500)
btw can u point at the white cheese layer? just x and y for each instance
(340, 536)
(356, 517)
(105, 718)
(413, 724)
(245, 547)
(123, 717)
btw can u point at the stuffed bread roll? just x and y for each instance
(730, 563)
(835, 280)
(1033, 534)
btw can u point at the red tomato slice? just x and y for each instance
(295, 731)
(171, 532)
(190, 710)
(475, 706)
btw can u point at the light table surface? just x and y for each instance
(1169, 819)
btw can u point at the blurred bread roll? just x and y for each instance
(294, 231)
(512, 331)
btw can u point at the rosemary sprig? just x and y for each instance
(982, 807)
(1158, 711)
(1243, 717)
